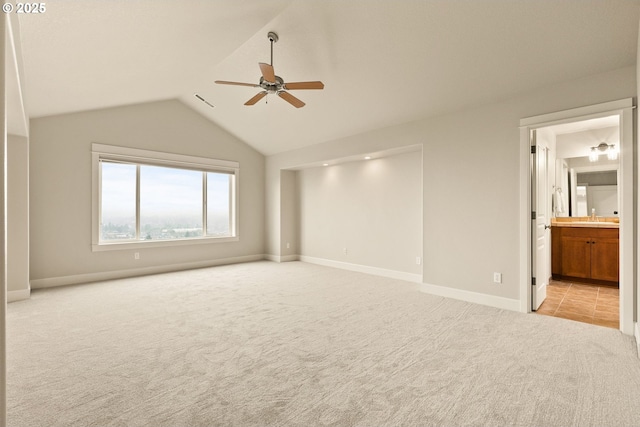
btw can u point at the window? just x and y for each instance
(151, 198)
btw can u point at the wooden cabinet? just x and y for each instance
(585, 253)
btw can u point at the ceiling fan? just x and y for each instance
(272, 84)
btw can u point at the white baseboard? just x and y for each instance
(637, 335)
(283, 258)
(392, 274)
(18, 295)
(120, 274)
(474, 297)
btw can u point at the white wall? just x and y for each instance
(373, 208)
(60, 175)
(471, 176)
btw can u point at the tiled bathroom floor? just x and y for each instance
(582, 302)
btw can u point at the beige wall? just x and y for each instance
(60, 175)
(17, 217)
(636, 307)
(471, 178)
(290, 215)
(373, 208)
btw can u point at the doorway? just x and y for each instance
(582, 302)
(619, 112)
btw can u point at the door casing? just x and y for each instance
(624, 109)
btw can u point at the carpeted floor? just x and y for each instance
(299, 344)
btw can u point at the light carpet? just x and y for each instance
(297, 344)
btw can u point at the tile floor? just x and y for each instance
(582, 302)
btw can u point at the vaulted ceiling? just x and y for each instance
(382, 62)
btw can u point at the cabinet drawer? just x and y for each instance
(610, 233)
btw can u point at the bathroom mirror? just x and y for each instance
(582, 183)
(588, 187)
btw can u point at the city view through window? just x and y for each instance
(171, 203)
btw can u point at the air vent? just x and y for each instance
(204, 100)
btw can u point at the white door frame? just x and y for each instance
(541, 201)
(624, 109)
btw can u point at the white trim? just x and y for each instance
(637, 336)
(473, 297)
(525, 225)
(624, 109)
(135, 244)
(20, 295)
(121, 274)
(376, 271)
(139, 155)
(281, 258)
(577, 114)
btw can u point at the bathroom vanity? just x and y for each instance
(585, 251)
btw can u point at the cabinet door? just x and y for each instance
(556, 251)
(604, 259)
(576, 256)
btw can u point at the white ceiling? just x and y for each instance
(586, 125)
(382, 62)
(576, 139)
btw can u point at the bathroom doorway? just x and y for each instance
(579, 125)
(582, 191)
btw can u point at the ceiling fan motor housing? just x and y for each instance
(272, 87)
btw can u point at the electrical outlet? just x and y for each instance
(288, 245)
(345, 251)
(418, 260)
(497, 277)
(136, 255)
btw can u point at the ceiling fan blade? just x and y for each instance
(304, 85)
(222, 82)
(291, 99)
(256, 98)
(267, 72)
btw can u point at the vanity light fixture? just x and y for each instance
(603, 148)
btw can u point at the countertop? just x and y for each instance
(585, 224)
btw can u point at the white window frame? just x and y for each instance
(100, 152)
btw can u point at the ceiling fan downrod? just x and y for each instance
(273, 38)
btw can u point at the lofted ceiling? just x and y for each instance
(382, 62)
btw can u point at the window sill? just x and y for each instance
(131, 245)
